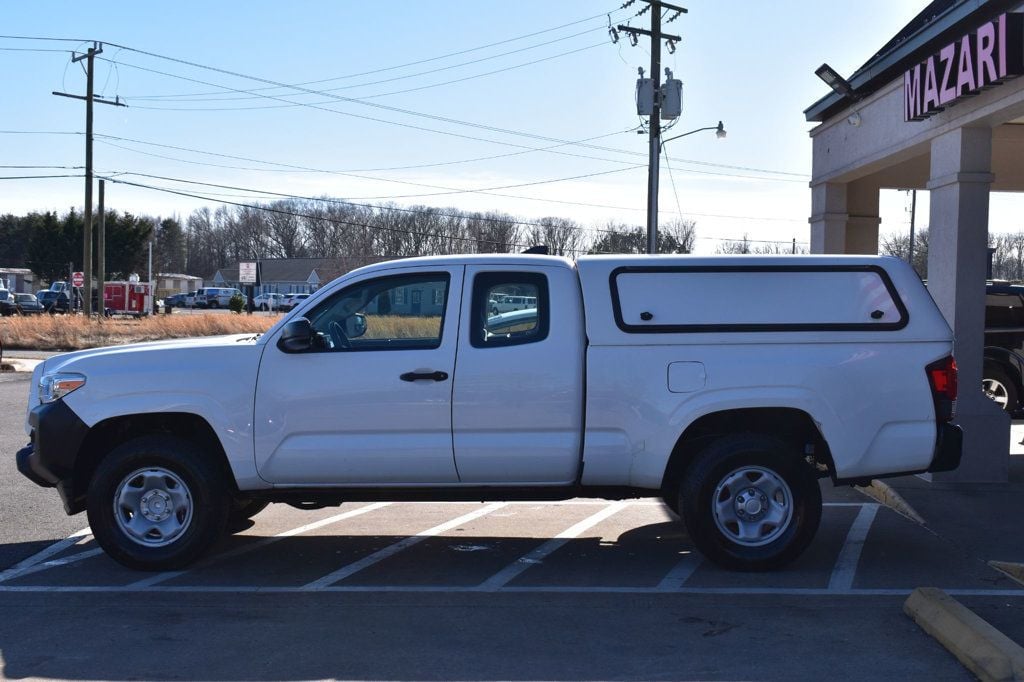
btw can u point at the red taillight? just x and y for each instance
(942, 378)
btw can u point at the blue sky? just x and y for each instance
(749, 64)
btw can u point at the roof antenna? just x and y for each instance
(539, 250)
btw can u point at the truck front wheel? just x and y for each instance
(750, 502)
(157, 503)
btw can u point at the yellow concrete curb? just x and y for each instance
(884, 493)
(981, 648)
(1015, 571)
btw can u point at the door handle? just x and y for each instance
(416, 376)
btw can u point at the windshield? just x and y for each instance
(26, 298)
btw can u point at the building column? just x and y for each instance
(844, 217)
(961, 175)
(828, 217)
(862, 218)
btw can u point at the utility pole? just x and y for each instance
(89, 56)
(653, 170)
(101, 256)
(913, 212)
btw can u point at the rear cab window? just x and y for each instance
(508, 309)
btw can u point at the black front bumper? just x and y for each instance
(49, 460)
(949, 448)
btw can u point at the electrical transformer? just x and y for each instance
(672, 99)
(644, 96)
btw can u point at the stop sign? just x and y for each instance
(77, 279)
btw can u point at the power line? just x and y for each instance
(64, 40)
(364, 97)
(304, 169)
(45, 167)
(414, 63)
(40, 132)
(398, 78)
(408, 112)
(313, 217)
(31, 49)
(450, 190)
(424, 211)
(39, 177)
(336, 221)
(430, 212)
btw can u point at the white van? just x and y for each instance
(215, 297)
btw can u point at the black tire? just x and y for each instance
(998, 385)
(204, 482)
(722, 460)
(211, 305)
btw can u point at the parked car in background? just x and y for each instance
(269, 301)
(175, 301)
(1003, 371)
(7, 305)
(506, 304)
(215, 297)
(53, 302)
(27, 304)
(292, 300)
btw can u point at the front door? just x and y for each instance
(370, 404)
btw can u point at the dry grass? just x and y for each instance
(72, 332)
(400, 327)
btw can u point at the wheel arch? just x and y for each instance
(790, 424)
(109, 433)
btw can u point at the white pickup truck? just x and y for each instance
(728, 386)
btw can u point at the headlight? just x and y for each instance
(56, 386)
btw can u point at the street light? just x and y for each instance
(652, 206)
(834, 80)
(719, 133)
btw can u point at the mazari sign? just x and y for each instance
(965, 67)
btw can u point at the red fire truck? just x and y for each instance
(127, 298)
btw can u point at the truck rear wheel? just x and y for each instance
(750, 502)
(157, 503)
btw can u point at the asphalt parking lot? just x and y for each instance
(583, 589)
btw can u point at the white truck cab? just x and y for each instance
(725, 385)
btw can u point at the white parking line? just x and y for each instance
(509, 573)
(677, 577)
(63, 561)
(530, 589)
(244, 549)
(845, 569)
(390, 550)
(57, 547)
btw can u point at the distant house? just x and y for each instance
(18, 280)
(291, 275)
(169, 283)
(425, 299)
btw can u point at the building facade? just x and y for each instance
(940, 107)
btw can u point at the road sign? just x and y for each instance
(247, 273)
(77, 280)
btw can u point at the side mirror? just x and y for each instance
(355, 326)
(296, 337)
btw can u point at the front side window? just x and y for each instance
(509, 308)
(372, 315)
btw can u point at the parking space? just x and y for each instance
(575, 546)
